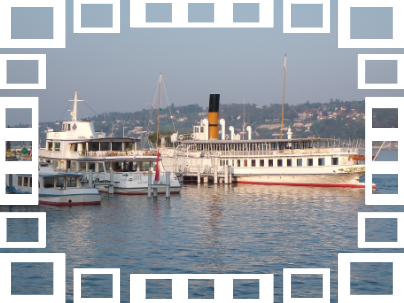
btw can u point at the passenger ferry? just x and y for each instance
(104, 162)
(297, 162)
(55, 188)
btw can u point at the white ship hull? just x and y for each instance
(323, 180)
(70, 200)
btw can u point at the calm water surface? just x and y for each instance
(215, 229)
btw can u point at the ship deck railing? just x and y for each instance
(99, 153)
(286, 152)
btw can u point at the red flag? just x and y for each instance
(157, 177)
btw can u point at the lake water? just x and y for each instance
(209, 229)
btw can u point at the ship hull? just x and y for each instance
(70, 200)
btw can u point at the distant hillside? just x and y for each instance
(340, 119)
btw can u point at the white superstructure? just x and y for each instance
(299, 162)
(79, 148)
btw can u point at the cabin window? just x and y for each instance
(93, 146)
(91, 165)
(245, 163)
(196, 129)
(30, 181)
(82, 165)
(60, 182)
(253, 163)
(271, 162)
(116, 146)
(238, 163)
(19, 181)
(130, 146)
(289, 162)
(73, 147)
(57, 146)
(48, 182)
(71, 182)
(299, 162)
(201, 129)
(279, 162)
(49, 146)
(309, 162)
(35, 167)
(321, 161)
(68, 126)
(262, 163)
(100, 167)
(104, 146)
(334, 161)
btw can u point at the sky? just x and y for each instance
(119, 72)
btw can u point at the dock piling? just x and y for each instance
(111, 182)
(149, 183)
(215, 173)
(90, 178)
(10, 184)
(168, 192)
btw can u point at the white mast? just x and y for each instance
(73, 113)
(158, 113)
(283, 95)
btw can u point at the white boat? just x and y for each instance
(297, 162)
(56, 188)
(109, 162)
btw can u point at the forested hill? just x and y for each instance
(340, 119)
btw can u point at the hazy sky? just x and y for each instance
(119, 72)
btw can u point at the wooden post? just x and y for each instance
(226, 174)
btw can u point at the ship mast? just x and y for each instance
(283, 94)
(158, 112)
(244, 120)
(73, 113)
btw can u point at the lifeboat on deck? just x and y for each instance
(359, 157)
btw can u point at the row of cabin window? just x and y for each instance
(92, 146)
(48, 182)
(279, 162)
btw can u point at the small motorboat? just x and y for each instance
(37, 182)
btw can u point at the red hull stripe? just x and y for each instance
(308, 184)
(69, 204)
(138, 193)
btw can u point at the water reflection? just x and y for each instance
(248, 229)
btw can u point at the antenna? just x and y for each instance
(244, 120)
(73, 113)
